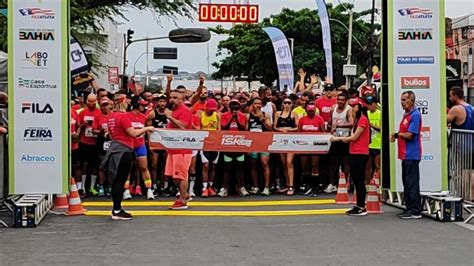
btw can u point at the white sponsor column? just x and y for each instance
(38, 40)
(417, 63)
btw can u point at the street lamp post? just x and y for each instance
(349, 48)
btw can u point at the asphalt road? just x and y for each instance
(296, 240)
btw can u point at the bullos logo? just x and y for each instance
(415, 82)
(235, 140)
(36, 108)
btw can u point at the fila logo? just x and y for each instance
(36, 108)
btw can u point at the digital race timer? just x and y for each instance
(228, 13)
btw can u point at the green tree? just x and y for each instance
(248, 50)
(86, 17)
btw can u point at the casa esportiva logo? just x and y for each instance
(415, 34)
(35, 84)
(416, 12)
(27, 34)
(37, 13)
(411, 83)
(415, 60)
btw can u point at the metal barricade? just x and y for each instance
(461, 167)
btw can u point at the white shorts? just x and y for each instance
(209, 156)
(194, 153)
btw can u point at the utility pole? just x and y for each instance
(371, 46)
(349, 48)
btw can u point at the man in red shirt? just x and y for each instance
(311, 123)
(89, 152)
(179, 160)
(76, 166)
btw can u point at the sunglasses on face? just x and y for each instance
(286, 102)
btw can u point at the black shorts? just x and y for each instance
(209, 157)
(88, 154)
(339, 149)
(374, 152)
(74, 156)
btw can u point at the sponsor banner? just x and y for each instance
(417, 63)
(79, 63)
(113, 75)
(324, 19)
(38, 68)
(241, 141)
(283, 57)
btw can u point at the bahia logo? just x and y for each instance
(36, 35)
(37, 13)
(27, 158)
(36, 108)
(415, 34)
(416, 12)
(37, 134)
(36, 59)
(412, 83)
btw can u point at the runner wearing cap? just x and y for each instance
(233, 120)
(210, 120)
(359, 153)
(118, 159)
(311, 123)
(179, 160)
(138, 120)
(158, 119)
(103, 139)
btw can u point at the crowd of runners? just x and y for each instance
(314, 106)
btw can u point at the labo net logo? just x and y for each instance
(235, 140)
(411, 83)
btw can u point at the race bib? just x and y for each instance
(106, 145)
(89, 133)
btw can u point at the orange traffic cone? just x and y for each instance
(379, 187)
(60, 201)
(342, 197)
(373, 204)
(75, 206)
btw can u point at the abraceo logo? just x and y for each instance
(415, 83)
(27, 158)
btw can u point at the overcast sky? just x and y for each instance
(193, 57)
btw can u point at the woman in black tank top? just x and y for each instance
(285, 121)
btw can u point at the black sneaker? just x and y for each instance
(302, 189)
(402, 214)
(166, 192)
(308, 192)
(409, 216)
(121, 215)
(158, 192)
(357, 211)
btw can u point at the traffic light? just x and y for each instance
(129, 36)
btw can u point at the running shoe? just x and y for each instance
(157, 191)
(178, 205)
(166, 192)
(82, 194)
(192, 194)
(93, 192)
(223, 192)
(132, 190)
(243, 192)
(127, 195)
(303, 188)
(282, 190)
(211, 191)
(308, 192)
(101, 191)
(121, 215)
(108, 191)
(149, 194)
(266, 192)
(138, 191)
(330, 189)
(205, 193)
(290, 192)
(409, 216)
(357, 211)
(254, 190)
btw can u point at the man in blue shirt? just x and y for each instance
(409, 151)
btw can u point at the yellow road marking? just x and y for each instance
(225, 213)
(212, 203)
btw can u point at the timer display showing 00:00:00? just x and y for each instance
(228, 13)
